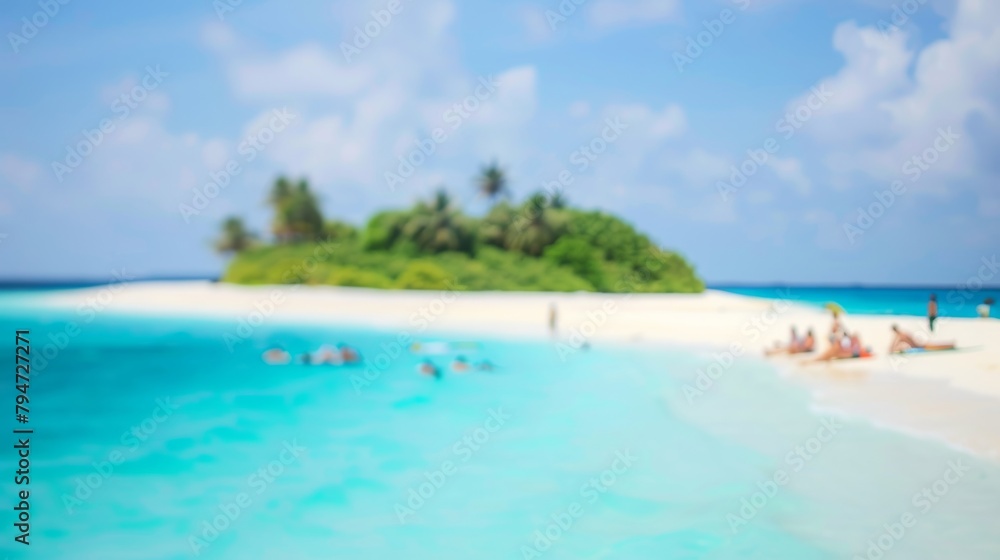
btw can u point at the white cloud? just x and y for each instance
(579, 109)
(22, 173)
(515, 100)
(670, 122)
(791, 171)
(535, 24)
(306, 70)
(875, 69)
(169, 164)
(218, 36)
(605, 14)
(357, 119)
(698, 168)
(890, 103)
(989, 206)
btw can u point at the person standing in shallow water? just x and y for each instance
(932, 311)
(984, 308)
(553, 319)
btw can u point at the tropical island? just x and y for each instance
(542, 244)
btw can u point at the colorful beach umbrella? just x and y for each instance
(835, 308)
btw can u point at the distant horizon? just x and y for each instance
(55, 283)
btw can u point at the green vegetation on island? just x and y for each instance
(541, 244)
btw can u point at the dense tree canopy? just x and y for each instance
(542, 244)
(235, 237)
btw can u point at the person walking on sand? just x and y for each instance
(553, 319)
(932, 311)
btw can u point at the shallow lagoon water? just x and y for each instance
(601, 455)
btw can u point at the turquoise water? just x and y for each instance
(610, 452)
(952, 302)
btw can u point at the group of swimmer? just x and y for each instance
(846, 345)
(342, 354)
(325, 355)
(458, 365)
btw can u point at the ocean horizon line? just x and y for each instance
(853, 286)
(68, 283)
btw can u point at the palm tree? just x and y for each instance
(235, 237)
(558, 201)
(279, 197)
(297, 215)
(300, 214)
(437, 226)
(536, 227)
(492, 182)
(497, 224)
(281, 191)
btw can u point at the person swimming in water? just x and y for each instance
(460, 365)
(328, 355)
(427, 367)
(485, 365)
(276, 356)
(348, 354)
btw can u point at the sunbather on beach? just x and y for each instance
(837, 350)
(903, 341)
(794, 343)
(837, 328)
(856, 349)
(808, 344)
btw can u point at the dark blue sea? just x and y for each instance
(955, 301)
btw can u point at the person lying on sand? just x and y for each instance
(808, 344)
(856, 349)
(846, 348)
(836, 351)
(903, 341)
(794, 343)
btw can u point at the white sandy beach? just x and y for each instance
(952, 396)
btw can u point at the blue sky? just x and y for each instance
(199, 80)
